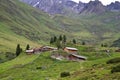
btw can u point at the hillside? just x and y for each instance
(92, 27)
(41, 67)
(91, 22)
(22, 24)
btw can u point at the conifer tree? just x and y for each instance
(74, 41)
(60, 37)
(51, 40)
(18, 50)
(27, 47)
(83, 43)
(55, 39)
(58, 44)
(64, 39)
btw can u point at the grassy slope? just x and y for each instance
(21, 60)
(52, 68)
(20, 23)
(103, 27)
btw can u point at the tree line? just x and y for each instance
(60, 41)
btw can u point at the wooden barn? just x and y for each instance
(75, 57)
(71, 50)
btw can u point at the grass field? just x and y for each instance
(22, 60)
(22, 24)
(41, 67)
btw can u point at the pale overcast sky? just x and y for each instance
(105, 2)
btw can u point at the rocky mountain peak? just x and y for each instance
(94, 7)
(70, 3)
(65, 6)
(51, 6)
(114, 6)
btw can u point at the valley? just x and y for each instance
(91, 28)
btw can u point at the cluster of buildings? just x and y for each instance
(40, 49)
(71, 53)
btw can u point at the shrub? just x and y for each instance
(116, 69)
(65, 74)
(38, 67)
(41, 67)
(1, 60)
(115, 60)
(10, 55)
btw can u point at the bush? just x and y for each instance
(38, 67)
(41, 67)
(10, 55)
(65, 74)
(1, 60)
(116, 69)
(115, 60)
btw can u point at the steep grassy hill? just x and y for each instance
(23, 24)
(20, 23)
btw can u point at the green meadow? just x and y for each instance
(41, 67)
(23, 24)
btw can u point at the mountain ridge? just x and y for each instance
(94, 7)
(114, 6)
(59, 6)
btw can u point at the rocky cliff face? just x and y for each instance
(60, 6)
(51, 6)
(114, 6)
(81, 6)
(55, 6)
(94, 7)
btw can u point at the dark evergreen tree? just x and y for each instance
(58, 44)
(64, 39)
(60, 37)
(102, 45)
(83, 43)
(74, 41)
(18, 50)
(51, 40)
(27, 47)
(55, 39)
